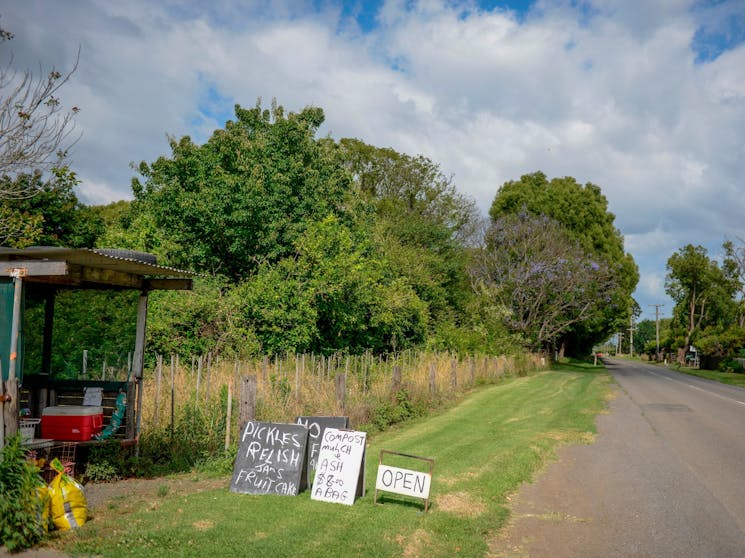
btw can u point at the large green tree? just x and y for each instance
(702, 292)
(421, 222)
(583, 212)
(246, 195)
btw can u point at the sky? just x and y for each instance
(645, 98)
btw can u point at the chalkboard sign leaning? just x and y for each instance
(271, 459)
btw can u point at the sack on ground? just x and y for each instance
(69, 506)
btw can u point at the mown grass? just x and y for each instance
(484, 448)
(731, 378)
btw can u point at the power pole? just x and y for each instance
(631, 336)
(657, 328)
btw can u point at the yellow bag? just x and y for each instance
(69, 507)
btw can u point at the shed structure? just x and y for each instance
(51, 269)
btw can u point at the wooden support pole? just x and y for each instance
(454, 373)
(432, 378)
(247, 407)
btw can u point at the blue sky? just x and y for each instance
(645, 98)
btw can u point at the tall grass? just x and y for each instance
(185, 403)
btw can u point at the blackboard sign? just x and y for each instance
(316, 428)
(340, 471)
(271, 459)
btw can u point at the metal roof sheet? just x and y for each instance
(90, 257)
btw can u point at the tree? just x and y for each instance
(535, 268)
(421, 222)
(734, 266)
(583, 212)
(700, 289)
(52, 217)
(35, 131)
(246, 195)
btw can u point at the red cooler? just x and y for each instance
(71, 423)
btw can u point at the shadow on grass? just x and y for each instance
(577, 365)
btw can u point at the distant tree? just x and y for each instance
(646, 332)
(734, 266)
(701, 291)
(537, 270)
(246, 195)
(35, 130)
(583, 212)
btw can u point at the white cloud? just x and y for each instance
(608, 92)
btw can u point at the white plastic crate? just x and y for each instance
(28, 428)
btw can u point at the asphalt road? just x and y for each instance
(665, 477)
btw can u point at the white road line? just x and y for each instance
(741, 403)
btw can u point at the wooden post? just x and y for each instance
(473, 370)
(228, 414)
(138, 361)
(85, 363)
(158, 377)
(209, 377)
(341, 391)
(396, 380)
(174, 363)
(247, 406)
(432, 378)
(454, 373)
(297, 378)
(199, 376)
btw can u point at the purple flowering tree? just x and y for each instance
(530, 265)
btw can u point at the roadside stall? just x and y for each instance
(67, 413)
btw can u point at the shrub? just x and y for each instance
(21, 518)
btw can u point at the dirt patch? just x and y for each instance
(460, 503)
(148, 490)
(416, 545)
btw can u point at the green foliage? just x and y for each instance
(246, 195)
(53, 216)
(21, 523)
(101, 322)
(702, 292)
(197, 437)
(400, 409)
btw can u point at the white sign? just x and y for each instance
(338, 467)
(403, 481)
(93, 396)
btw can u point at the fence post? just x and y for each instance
(454, 373)
(341, 390)
(396, 379)
(473, 371)
(159, 375)
(247, 407)
(433, 378)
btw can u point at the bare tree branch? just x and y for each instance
(35, 130)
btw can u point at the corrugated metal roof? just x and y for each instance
(121, 261)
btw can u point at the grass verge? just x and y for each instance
(484, 448)
(731, 378)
